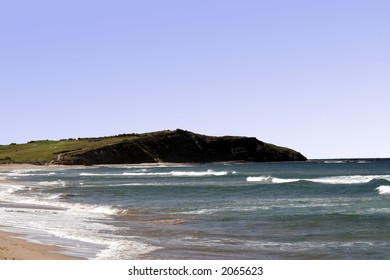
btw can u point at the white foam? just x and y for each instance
(384, 190)
(262, 179)
(125, 250)
(164, 174)
(99, 209)
(125, 174)
(78, 225)
(269, 180)
(353, 179)
(58, 183)
(282, 181)
(61, 196)
(146, 173)
(23, 173)
(198, 173)
(15, 193)
(99, 174)
(9, 188)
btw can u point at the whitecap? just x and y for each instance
(62, 196)
(98, 174)
(146, 173)
(281, 181)
(270, 179)
(353, 179)
(52, 183)
(384, 190)
(164, 174)
(125, 250)
(261, 179)
(198, 173)
(93, 208)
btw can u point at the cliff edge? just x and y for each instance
(180, 146)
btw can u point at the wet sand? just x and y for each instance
(14, 248)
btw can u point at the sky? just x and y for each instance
(310, 75)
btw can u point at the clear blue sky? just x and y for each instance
(310, 75)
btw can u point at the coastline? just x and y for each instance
(12, 247)
(12, 166)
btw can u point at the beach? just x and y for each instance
(14, 248)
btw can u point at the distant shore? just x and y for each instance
(14, 166)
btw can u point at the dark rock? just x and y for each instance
(182, 146)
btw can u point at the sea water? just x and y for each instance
(336, 209)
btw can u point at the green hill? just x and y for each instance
(178, 146)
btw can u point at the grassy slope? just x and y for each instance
(46, 150)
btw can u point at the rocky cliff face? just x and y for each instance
(181, 146)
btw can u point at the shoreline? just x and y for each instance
(13, 247)
(13, 166)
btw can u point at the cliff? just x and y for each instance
(179, 146)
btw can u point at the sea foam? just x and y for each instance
(270, 179)
(333, 180)
(161, 174)
(354, 179)
(384, 190)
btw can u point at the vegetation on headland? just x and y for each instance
(46, 151)
(162, 146)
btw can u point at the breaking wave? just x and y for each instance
(270, 179)
(384, 190)
(163, 174)
(354, 179)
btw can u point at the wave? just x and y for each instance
(198, 173)
(10, 187)
(384, 190)
(58, 183)
(335, 161)
(62, 196)
(133, 249)
(26, 173)
(163, 174)
(353, 179)
(270, 179)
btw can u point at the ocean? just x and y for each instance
(326, 209)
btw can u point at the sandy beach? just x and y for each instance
(14, 248)
(13, 166)
(22, 166)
